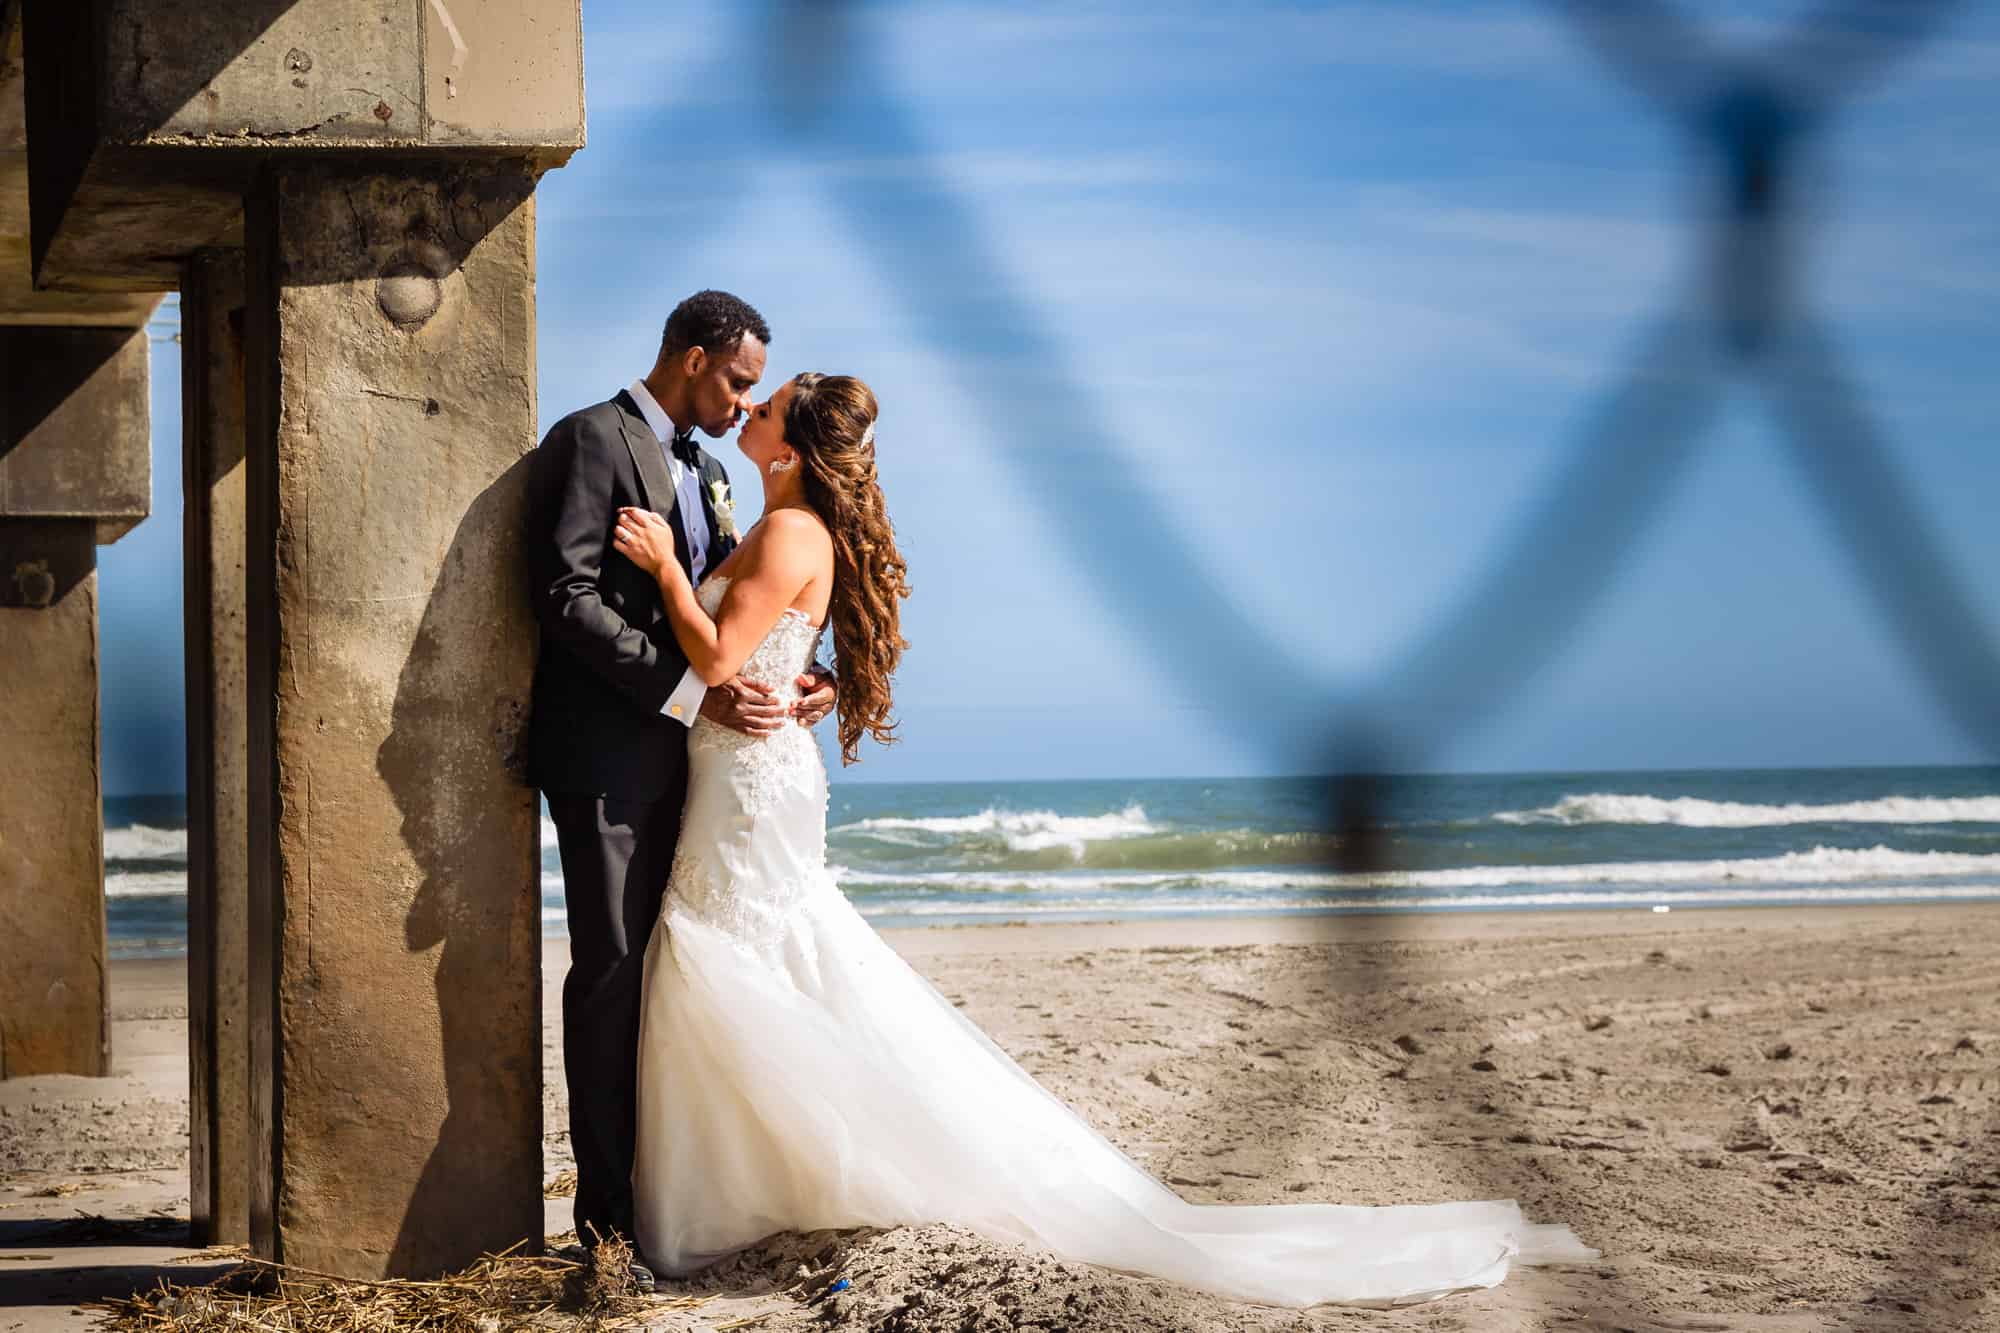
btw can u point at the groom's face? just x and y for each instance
(719, 385)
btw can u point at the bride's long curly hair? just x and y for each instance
(830, 420)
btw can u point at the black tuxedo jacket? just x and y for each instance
(608, 659)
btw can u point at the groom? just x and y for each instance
(614, 698)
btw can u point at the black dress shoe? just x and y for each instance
(641, 1278)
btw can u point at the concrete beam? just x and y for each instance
(213, 530)
(395, 934)
(76, 426)
(20, 303)
(148, 118)
(52, 994)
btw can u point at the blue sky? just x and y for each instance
(1221, 350)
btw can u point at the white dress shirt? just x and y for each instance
(685, 702)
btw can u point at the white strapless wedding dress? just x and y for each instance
(796, 1074)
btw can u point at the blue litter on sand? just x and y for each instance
(841, 1285)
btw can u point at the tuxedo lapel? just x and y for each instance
(654, 479)
(647, 456)
(719, 546)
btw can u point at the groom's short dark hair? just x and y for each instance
(713, 321)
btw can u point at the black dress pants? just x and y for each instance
(616, 855)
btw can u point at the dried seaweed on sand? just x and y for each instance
(501, 1291)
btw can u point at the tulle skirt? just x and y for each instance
(813, 1079)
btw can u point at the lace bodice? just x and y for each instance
(753, 838)
(786, 651)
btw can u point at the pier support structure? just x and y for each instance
(74, 472)
(214, 605)
(395, 908)
(356, 178)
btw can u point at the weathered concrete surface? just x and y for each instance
(75, 426)
(395, 942)
(52, 1014)
(148, 118)
(19, 302)
(505, 72)
(212, 509)
(75, 471)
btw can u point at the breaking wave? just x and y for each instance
(1693, 812)
(1821, 865)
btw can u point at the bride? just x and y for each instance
(795, 1074)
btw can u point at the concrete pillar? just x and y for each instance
(76, 425)
(74, 471)
(395, 934)
(52, 1012)
(218, 792)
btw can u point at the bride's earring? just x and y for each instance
(778, 467)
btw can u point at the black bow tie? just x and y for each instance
(685, 449)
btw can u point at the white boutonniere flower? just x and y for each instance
(725, 509)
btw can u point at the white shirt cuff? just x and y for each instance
(685, 702)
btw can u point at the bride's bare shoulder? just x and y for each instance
(788, 546)
(798, 527)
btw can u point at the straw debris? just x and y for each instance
(502, 1291)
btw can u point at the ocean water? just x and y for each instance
(940, 853)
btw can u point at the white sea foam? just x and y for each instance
(555, 919)
(1799, 870)
(173, 883)
(1693, 812)
(1711, 897)
(1021, 831)
(142, 842)
(1821, 865)
(145, 884)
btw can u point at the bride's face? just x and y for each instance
(762, 439)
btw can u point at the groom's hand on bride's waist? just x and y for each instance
(816, 697)
(745, 706)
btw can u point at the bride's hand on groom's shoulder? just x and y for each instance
(644, 538)
(745, 706)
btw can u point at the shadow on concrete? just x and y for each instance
(62, 85)
(456, 763)
(45, 367)
(43, 560)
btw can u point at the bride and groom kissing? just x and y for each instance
(744, 1055)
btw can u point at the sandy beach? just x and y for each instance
(1781, 1119)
